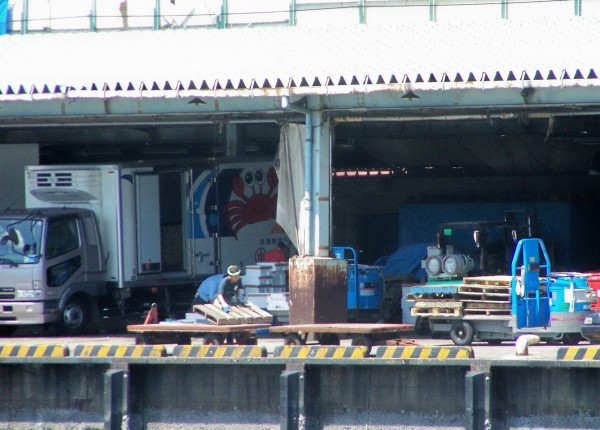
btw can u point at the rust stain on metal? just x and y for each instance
(317, 290)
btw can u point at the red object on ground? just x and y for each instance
(152, 317)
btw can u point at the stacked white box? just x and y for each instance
(258, 299)
(257, 289)
(278, 302)
(280, 274)
(258, 276)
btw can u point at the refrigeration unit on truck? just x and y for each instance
(115, 238)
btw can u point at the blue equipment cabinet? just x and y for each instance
(365, 283)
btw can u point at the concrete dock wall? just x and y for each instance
(140, 393)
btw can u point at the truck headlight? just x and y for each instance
(29, 294)
(587, 320)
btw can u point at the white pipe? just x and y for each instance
(524, 341)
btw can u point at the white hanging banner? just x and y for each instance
(289, 165)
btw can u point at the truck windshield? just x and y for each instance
(20, 240)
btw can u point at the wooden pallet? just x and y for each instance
(430, 308)
(428, 296)
(490, 293)
(487, 312)
(497, 280)
(241, 314)
(479, 304)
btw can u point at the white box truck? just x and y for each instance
(99, 240)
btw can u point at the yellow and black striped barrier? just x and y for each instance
(437, 352)
(219, 351)
(289, 351)
(573, 353)
(38, 351)
(119, 351)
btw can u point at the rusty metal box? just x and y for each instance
(318, 290)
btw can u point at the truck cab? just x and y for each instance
(52, 266)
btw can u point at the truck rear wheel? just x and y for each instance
(74, 317)
(462, 333)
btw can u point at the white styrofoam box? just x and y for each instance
(278, 302)
(259, 270)
(259, 299)
(264, 264)
(279, 277)
(264, 289)
(282, 267)
(257, 280)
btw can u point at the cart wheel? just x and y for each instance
(245, 339)
(293, 339)
(571, 338)
(462, 333)
(329, 339)
(140, 339)
(363, 340)
(212, 339)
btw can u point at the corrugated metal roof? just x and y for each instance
(278, 60)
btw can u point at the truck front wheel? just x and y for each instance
(74, 317)
(462, 333)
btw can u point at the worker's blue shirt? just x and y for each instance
(208, 288)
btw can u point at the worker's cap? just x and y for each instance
(233, 271)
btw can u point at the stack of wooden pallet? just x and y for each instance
(486, 295)
(241, 314)
(481, 295)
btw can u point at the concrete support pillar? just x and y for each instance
(321, 183)
(291, 399)
(477, 400)
(116, 400)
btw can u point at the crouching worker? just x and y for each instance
(229, 289)
(207, 291)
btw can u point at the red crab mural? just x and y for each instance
(254, 206)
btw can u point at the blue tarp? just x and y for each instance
(3, 16)
(406, 260)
